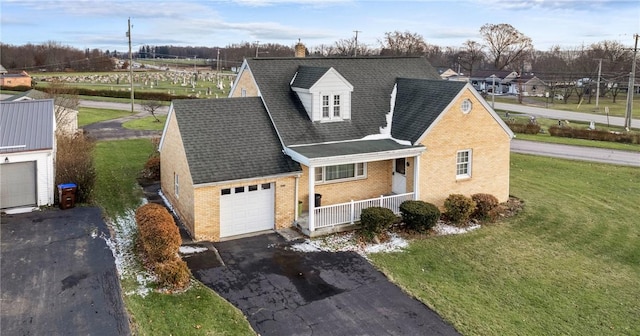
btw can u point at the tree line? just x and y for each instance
(501, 47)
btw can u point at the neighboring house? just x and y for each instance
(313, 141)
(15, 79)
(27, 153)
(66, 114)
(450, 74)
(533, 86)
(500, 82)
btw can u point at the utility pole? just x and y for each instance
(632, 80)
(598, 82)
(130, 63)
(218, 65)
(355, 52)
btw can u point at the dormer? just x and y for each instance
(324, 93)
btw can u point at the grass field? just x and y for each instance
(147, 123)
(568, 265)
(89, 115)
(573, 104)
(199, 310)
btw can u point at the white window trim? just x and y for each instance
(355, 170)
(469, 164)
(342, 96)
(466, 106)
(176, 184)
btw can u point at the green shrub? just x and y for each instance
(158, 234)
(419, 215)
(485, 203)
(173, 274)
(376, 220)
(459, 208)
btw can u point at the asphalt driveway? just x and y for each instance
(58, 276)
(286, 292)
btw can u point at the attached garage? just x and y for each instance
(246, 209)
(18, 184)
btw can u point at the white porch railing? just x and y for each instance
(349, 212)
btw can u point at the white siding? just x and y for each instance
(45, 173)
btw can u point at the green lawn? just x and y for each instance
(89, 115)
(199, 310)
(568, 265)
(572, 104)
(147, 123)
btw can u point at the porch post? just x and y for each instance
(416, 177)
(312, 198)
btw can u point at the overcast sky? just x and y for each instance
(102, 24)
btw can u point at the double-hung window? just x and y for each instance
(463, 164)
(331, 107)
(342, 172)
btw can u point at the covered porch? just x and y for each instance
(353, 176)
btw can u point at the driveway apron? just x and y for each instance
(58, 275)
(287, 292)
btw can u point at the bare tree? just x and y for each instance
(472, 54)
(66, 101)
(402, 44)
(505, 44)
(152, 106)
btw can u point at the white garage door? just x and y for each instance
(18, 184)
(246, 209)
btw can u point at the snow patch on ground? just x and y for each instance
(443, 229)
(192, 249)
(122, 247)
(348, 242)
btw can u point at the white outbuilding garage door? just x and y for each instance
(246, 209)
(18, 184)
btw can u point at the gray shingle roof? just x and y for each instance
(26, 125)
(32, 94)
(307, 76)
(418, 103)
(230, 139)
(349, 148)
(372, 78)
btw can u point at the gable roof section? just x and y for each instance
(30, 94)
(307, 76)
(372, 78)
(418, 104)
(229, 139)
(26, 125)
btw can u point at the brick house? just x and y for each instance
(312, 141)
(14, 79)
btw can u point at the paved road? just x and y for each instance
(285, 292)
(58, 276)
(567, 115)
(626, 158)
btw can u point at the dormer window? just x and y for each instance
(324, 93)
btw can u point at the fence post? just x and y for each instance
(352, 212)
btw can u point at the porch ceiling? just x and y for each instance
(352, 151)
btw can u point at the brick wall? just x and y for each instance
(377, 182)
(477, 131)
(174, 160)
(246, 82)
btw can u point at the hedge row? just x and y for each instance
(525, 128)
(159, 240)
(579, 133)
(142, 95)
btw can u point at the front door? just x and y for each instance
(399, 178)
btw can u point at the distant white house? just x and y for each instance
(27, 153)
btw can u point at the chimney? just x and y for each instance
(301, 50)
